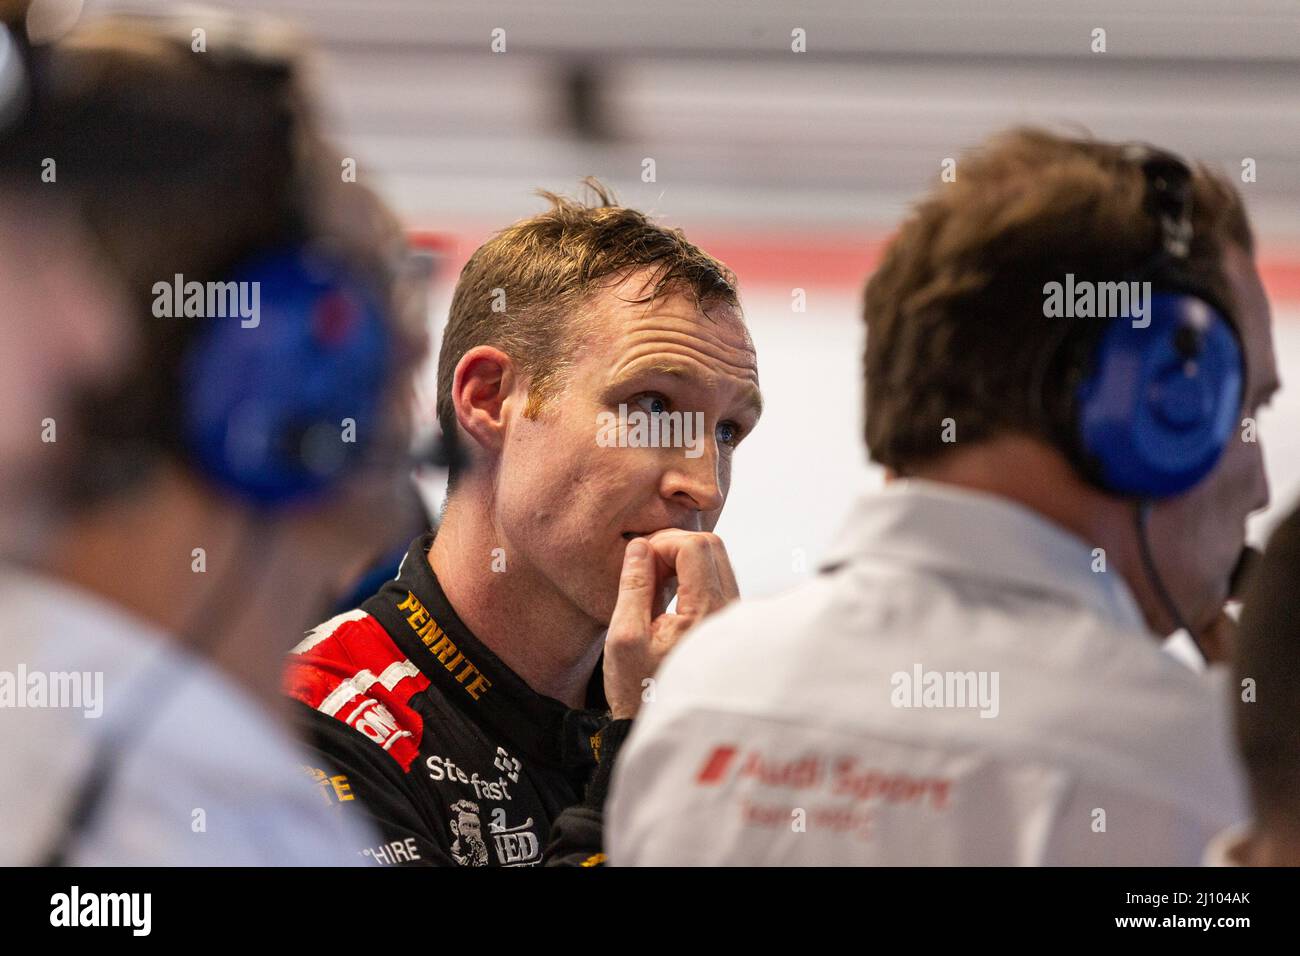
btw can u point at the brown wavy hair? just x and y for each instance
(954, 313)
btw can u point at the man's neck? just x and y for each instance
(125, 554)
(1038, 477)
(537, 633)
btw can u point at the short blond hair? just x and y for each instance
(544, 267)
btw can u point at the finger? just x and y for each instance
(636, 591)
(668, 543)
(700, 589)
(664, 546)
(703, 584)
(670, 631)
(725, 574)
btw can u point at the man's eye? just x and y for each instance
(728, 433)
(652, 404)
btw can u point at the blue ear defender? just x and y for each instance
(1159, 402)
(277, 406)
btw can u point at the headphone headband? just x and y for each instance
(1168, 201)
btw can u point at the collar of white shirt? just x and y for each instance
(942, 527)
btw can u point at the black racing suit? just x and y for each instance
(455, 759)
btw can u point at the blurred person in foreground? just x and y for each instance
(1266, 700)
(60, 317)
(977, 675)
(62, 328)
(598, 375)
(222, 481)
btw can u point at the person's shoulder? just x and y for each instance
(1106, 700)
(1140, 666)
(217, 779)
(349, 673)
(342, 643)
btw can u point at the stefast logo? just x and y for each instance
(74, 908)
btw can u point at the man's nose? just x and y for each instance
(696, 479)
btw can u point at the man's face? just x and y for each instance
(64, 328)
(1198, 536)
(572, 490)
(470, 830)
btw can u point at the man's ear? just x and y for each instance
(484, 380)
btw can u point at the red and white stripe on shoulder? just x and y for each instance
(350, 668)
(323, 631)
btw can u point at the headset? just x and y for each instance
(1159, 403)
(273, 411)
(265, 409)
(1155, 404)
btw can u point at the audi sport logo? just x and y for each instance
(715, 766)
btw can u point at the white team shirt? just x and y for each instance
(959, 686)
(210, 779)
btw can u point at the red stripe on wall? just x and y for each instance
(792, 260)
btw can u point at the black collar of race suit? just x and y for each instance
(415, 611)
